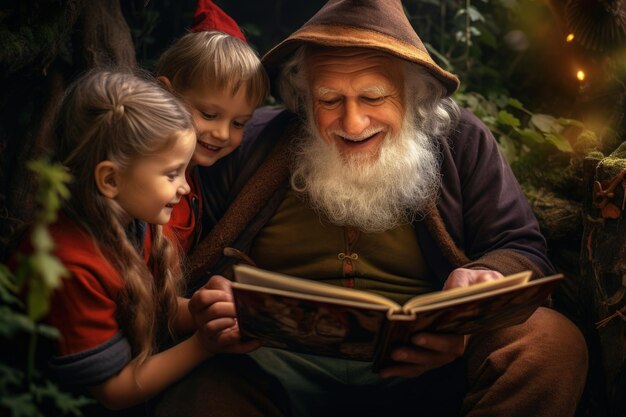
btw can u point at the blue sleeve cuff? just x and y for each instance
(93, 366)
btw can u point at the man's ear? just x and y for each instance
(106, 175)
(165, 82)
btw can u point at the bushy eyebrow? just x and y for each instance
(321, 91)
(376, 89)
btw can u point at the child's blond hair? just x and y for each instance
(215, 60)
(118, 116)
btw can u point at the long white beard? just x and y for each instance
(369, 193)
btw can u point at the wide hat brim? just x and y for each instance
(355, 37)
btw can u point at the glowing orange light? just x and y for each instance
(580, 75)
(569, 37)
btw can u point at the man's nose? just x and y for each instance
(354, 119)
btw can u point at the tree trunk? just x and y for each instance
(34, 78)
(603, 281)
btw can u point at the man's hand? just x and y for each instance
(427, 351)
(214, 315)
(463, 277)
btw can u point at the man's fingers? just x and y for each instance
(450, 344)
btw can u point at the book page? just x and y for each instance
(454, 293)
(310, 325)
(250, 275)
(477, 313)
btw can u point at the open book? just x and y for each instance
(322, 319)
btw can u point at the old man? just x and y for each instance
(375, 179)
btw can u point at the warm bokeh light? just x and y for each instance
(580, 75)
(569, 37)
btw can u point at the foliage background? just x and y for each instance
(518, 74)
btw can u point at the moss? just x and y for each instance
(615, 162)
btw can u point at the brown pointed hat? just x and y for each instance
(372, 24)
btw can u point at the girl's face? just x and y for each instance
(219, 118)
(153, 184)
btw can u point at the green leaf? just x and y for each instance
(489, 39)
(8, 287)
(546, 123)
(533, 135)
(507, 119)
(64, 402)
(10, 377)
(41, 239)
(475, 15)
(560, 142)
(441, 58)
(12, 323)
(515, 103)
(509, 148)
(20, 405)
(38, 300)
(48, 332)
(571, 122)
(50, 269)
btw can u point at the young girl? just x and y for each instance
(222, 81)
(126, 142)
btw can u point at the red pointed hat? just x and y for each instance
(210, 17)
(372, 24)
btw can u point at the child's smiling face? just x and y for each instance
(153, 184)
(219, 118)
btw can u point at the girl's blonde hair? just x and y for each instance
(216, 60)
(118, 116)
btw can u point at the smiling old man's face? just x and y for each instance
(357, 99)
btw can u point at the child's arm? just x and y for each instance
(183, 322)
(218, 332)
(135, 384)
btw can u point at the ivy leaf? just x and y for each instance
(507, 119)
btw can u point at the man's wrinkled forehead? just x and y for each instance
(349, 62)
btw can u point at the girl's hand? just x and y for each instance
(213, 312)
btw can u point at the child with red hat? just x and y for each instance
(222, 80)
